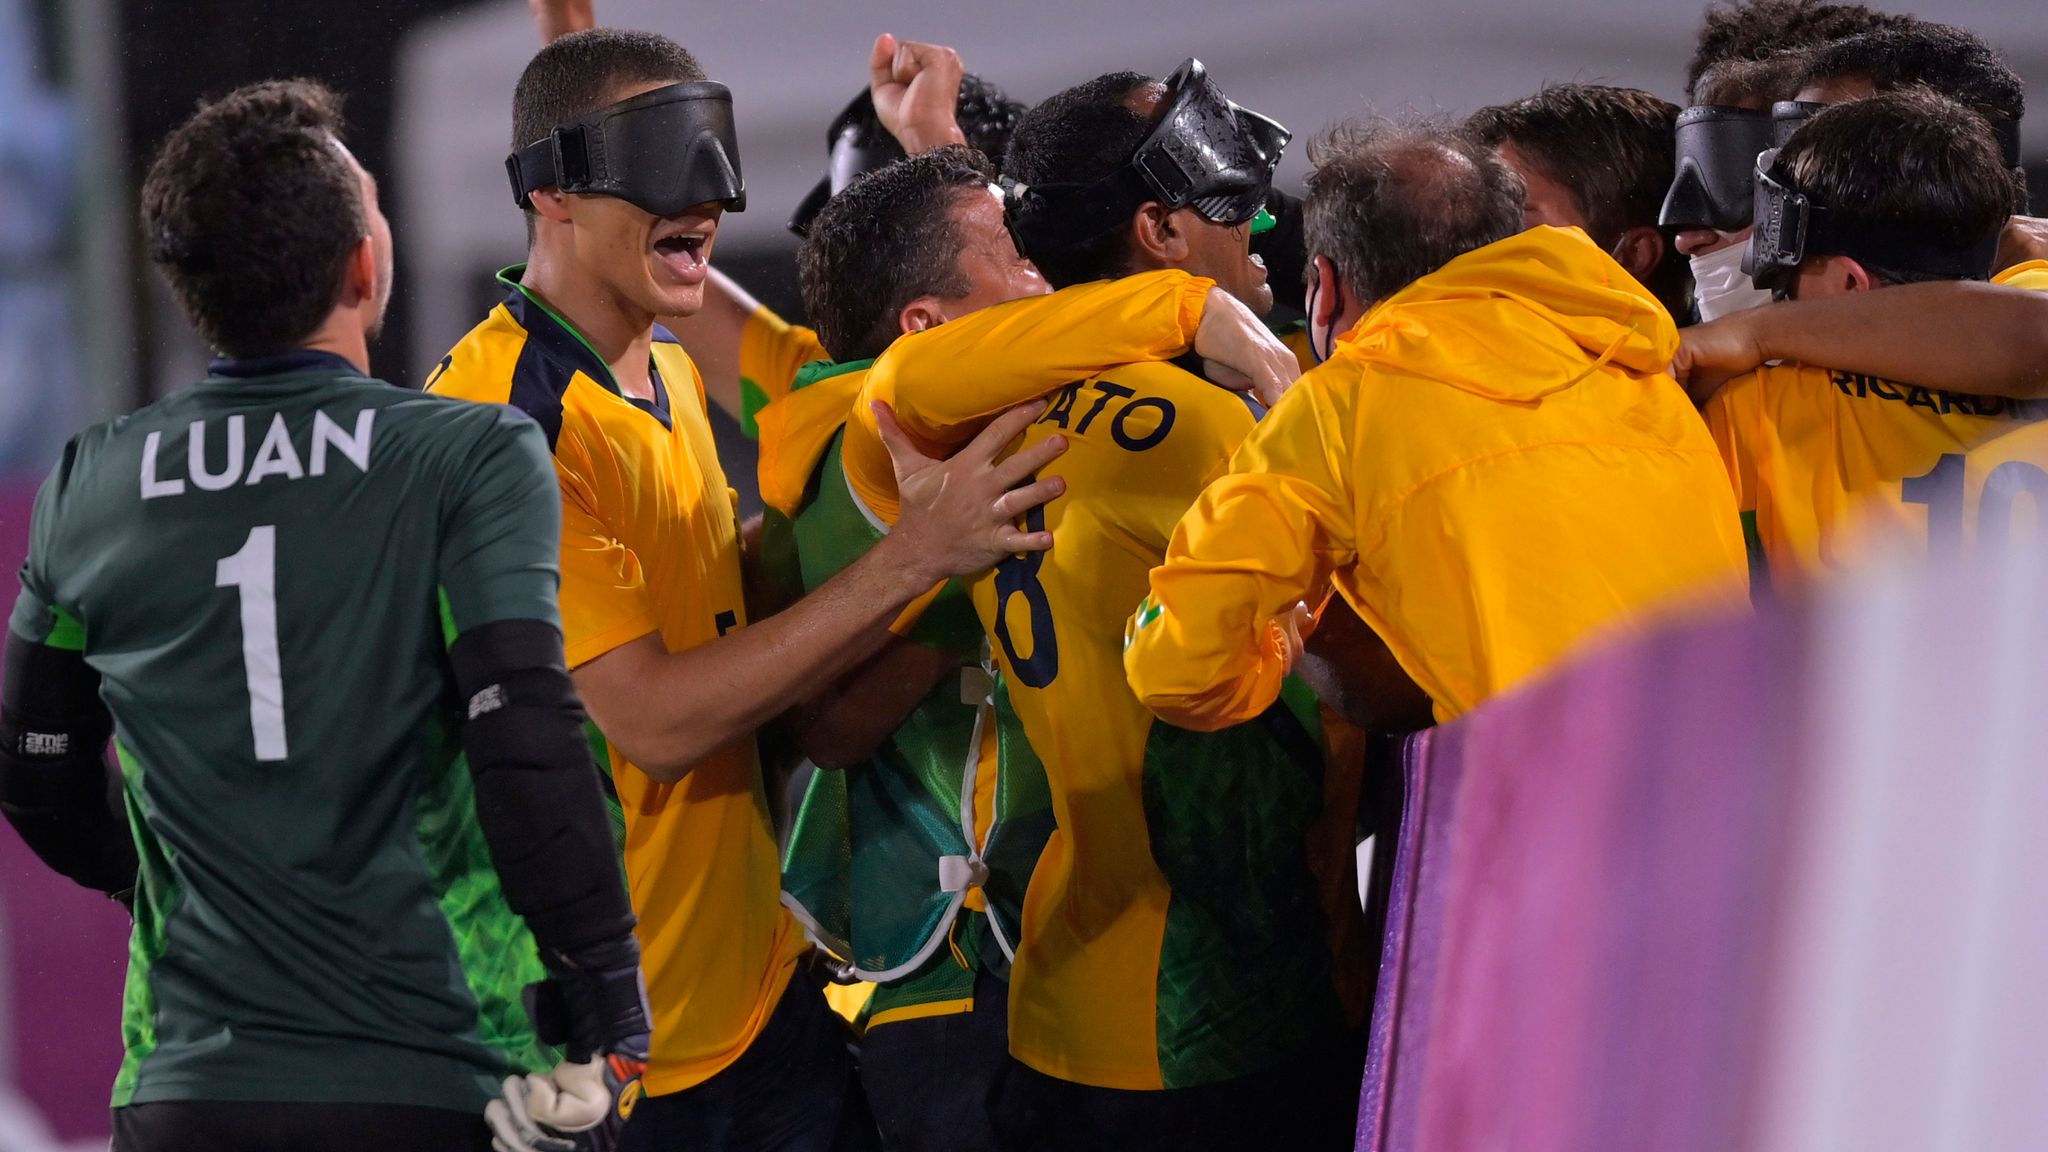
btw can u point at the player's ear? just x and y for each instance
(550, 204)
(1836, 275)
(1159, 236)
(359, 277)
(1640, 250)
(922, 313)
(1854, 276)
(1325, 292)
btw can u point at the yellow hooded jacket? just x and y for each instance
(1492, 466)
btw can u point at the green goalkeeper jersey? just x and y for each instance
(265, 569)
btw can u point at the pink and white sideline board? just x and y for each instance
(63, 955)
(1765, 885)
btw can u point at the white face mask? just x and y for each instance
(1719, 286)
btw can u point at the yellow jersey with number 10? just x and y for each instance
(1804, 444)
(1970, 505)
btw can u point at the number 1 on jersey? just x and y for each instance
(1940, 489)
(253, 570)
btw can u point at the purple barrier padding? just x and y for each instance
(66, 948)
(1389, 1003)
(1589, 877)
(67, 954)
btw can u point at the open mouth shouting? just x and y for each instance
(681, 250)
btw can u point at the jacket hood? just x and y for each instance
(1519, 319)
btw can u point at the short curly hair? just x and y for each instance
(1910, 161)
(252, 209)
(1079, 136)
(1950, 60)
(1748, 31)
(987, 116)
(885, 240)
(1946, 59)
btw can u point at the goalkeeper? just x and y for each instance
(320, 594)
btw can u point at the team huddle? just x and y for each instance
(452, 729)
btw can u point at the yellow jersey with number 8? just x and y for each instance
(1175, 930)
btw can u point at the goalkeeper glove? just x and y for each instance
(581, 1103)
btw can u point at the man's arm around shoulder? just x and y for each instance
(668, 711)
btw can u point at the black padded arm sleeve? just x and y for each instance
(53, 773)
(537, 794)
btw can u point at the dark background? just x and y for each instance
(179, 51)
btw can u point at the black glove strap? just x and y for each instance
(593, 1011)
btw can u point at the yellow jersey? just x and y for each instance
(1175, 929)
(1801, 443)
(797, 429)
(1045, 341)
(650, 543)
(772, 350)
(1491, 467)
(1969, 505)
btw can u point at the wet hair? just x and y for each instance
(1389, 203)
(1612, 148)
(252, 211)
(987, 116)
(1079, 136)
(1945, 58)
(1749, 32)
(1909, 161)
(885, 240)
(1942, 57)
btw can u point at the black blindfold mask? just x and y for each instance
(664, 152)
(1717, 151)
(1792, 227)
(1788, 115)
(1205, 152)
(858, 144)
